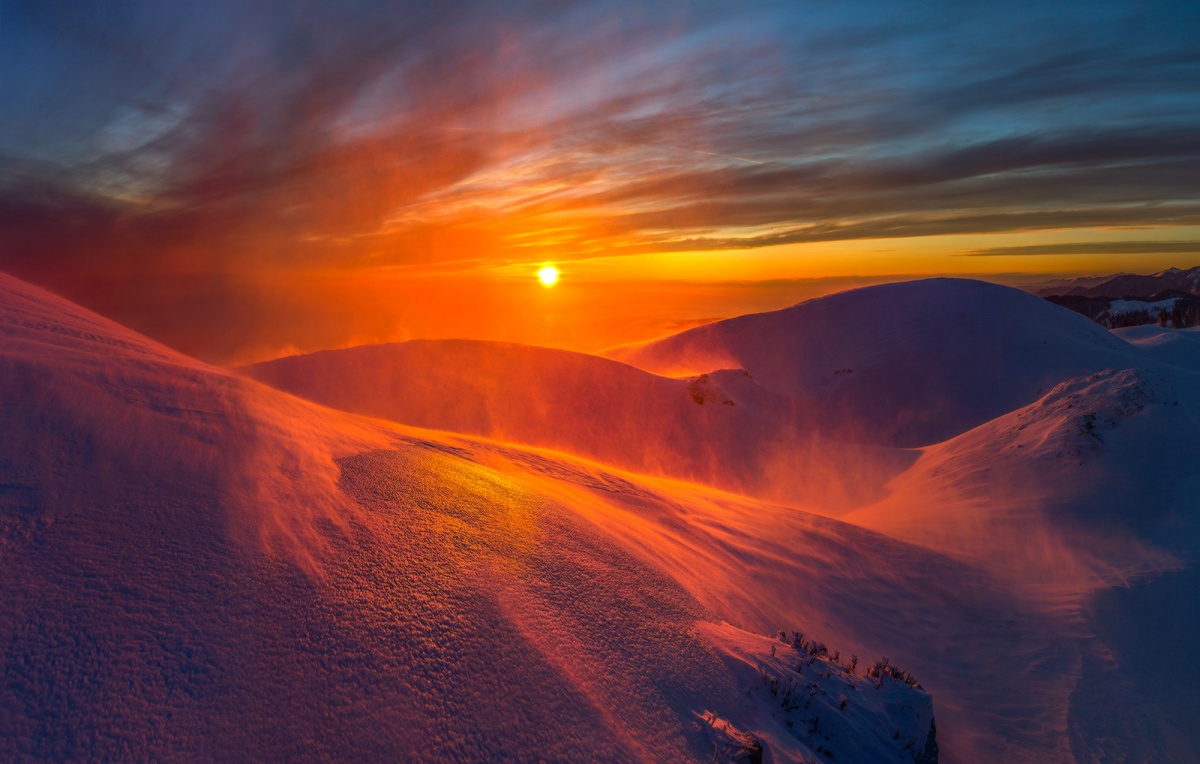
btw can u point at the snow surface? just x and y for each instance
(1121, 307)
(906, 364)
(196, 564)
(1086, 499)
(1177, 347)
(1064, 485)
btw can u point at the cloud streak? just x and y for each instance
(1091, 248)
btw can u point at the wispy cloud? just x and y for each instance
(1091, 248)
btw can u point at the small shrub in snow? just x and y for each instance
(820, 701)
(882, 668)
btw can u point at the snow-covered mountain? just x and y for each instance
(1170, 298)
(194, 563)
(1109, 455)
(905, 364)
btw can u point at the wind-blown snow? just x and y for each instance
(1095, 463)
(1068, 481)
(719, 428)
(196, 566)
(1087, 500)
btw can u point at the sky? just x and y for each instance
(246, 180)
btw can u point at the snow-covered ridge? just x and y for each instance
(1090, 407)
(1093, 454)
(1087, 499)
(1170, 297)
(906, 364)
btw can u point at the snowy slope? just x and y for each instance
(765, 567)
(1121, 307)
(1078, 484)
(904, 364)
(719, 428)
(1176, 347)
(195, 566)
(1087, 498)
(1103, 454)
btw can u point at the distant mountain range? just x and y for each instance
(1131, 285)
(1169, 298)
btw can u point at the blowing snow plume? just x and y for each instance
(721, 428)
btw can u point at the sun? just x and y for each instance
(548, 275)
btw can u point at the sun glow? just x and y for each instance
(548, 275)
